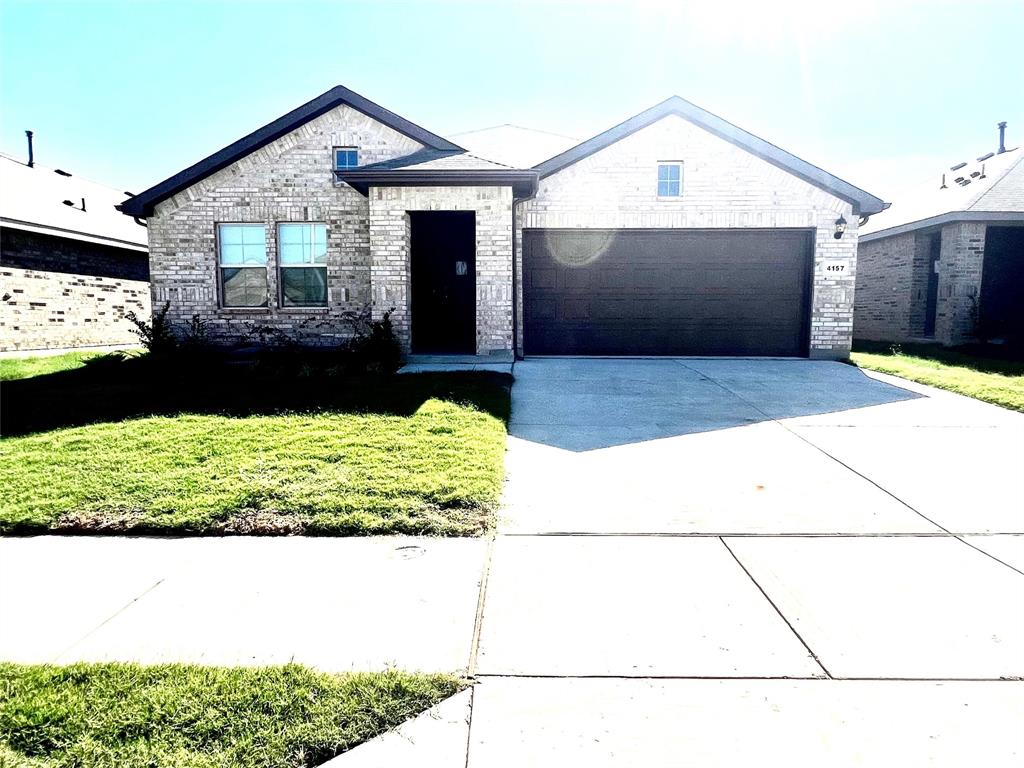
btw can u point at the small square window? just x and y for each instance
(670, 179)
(345, 158)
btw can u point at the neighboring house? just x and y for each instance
(71, 266)
(674, 232)
(946, 262)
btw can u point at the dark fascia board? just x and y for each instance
(143, 203)
(523, 182)
(863, 203)
(1002, 217)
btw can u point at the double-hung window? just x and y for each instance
(302, 249)
(242, 260)
(345, 158)
(670, 179)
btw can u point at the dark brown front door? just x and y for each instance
(443, 255)
(667, 292)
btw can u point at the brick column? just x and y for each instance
(960, 263)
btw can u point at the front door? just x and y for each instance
(443, 256)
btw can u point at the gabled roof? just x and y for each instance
(990, 189)
(32, 199)
(514, 145)
(143, 203)
(863, 203)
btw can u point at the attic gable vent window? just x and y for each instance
(345, 158)
(670, 179)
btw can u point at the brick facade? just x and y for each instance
(58, 292)
(963, 251)
(892, 284)
(368, 255)
(54, 310)
(288, 180)
(723, 186)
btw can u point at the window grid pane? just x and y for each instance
(243, 244)
(346, 158)
(244, 287)
(669, 180)
(304, 287)
(302, 244)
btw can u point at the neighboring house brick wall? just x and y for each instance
(885, 276)
(723, 187)
(51, 310)
(960, 264)
(47, 253)
(390, 255)
(290, 179)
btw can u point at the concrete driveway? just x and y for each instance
(713, 562)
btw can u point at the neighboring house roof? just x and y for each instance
(32, 199)
(143, 203)
(514, 145)
(863, 202)
(991, 189)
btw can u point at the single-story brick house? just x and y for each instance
(674, 232)
(946, 262)
(71, 266)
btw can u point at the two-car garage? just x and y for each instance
(667, 291)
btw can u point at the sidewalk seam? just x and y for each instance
(777, 610)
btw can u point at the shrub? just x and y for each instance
(373, 346)
(154, 335)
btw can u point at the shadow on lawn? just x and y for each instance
(115, 388)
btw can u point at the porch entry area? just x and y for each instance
(443, 282)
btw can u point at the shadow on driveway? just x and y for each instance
(582, 404)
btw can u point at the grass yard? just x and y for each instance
(970, 371)
(183, 716)
(12, 368)
(139, 446)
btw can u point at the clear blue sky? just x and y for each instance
(128, 93)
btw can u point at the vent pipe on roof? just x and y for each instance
(31, 156)
(1002, 138)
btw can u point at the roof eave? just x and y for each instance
(940, 219)
(142, 205)
(523, 182)
(863, 203)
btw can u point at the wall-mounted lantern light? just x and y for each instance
(840, 227)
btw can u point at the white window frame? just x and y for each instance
(221, 266)
(657, 179)
(281, 266)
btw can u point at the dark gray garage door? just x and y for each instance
(666, 292)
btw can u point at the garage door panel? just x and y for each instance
(672, 292)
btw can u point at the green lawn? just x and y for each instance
(183, 716)
(26, 367)
(147, 447)
(975, 372)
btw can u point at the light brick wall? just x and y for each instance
(389, 247)
(288, 180)
(52, 310)
(723, 187)
(960, 264)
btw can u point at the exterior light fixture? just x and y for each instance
(840, 227)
